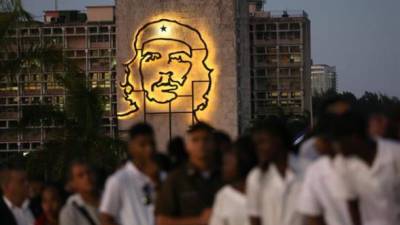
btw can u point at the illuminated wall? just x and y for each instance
(177, 64)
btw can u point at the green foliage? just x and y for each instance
(368, 103)
(78, 132)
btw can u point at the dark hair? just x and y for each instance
(58, 189)
(176, 151)
(140, 129)
(200, 126)
(6, 172)
(246, 155)
(275, 127)
(333, 100)
(348, 124)
(76, 162)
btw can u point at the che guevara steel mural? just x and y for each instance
(169, 71)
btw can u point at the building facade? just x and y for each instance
(181, 63)
(280, 62)
(87, 39)
(323, 79)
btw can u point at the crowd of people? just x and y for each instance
(346, 171)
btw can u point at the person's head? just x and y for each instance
(199, 143)
(271, 140)
(238, 162)
(81, 177)
(322, 130)
(349, 133)
(15, 185)
(378, 123)
(141, 145)
(35, 187)
(52, 201)
(336, 105)
(176, 151)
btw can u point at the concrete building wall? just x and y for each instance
(323, 78)
(100, 13)
(280, 63)
(215, 20)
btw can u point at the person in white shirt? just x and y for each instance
(129, 193)
(323, 199)
(230, 204)
(82, 207)
(14, 204)
(371, 168)
(272, 187)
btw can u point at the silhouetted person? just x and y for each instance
(129, 192)
(82, 207)
(176, 152)
(230, 203)
(188, 193)
(14, 204)
(52, 201)
(272, 187)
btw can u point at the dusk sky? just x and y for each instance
(360, 37)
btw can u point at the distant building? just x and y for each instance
(89, 40)
(323, 78)
(280, 62)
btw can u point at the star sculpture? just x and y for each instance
(163, 28)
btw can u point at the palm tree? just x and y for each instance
(74, 131)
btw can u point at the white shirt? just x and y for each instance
(229, 208)
(128, 197)
(71, 215)
(324, 193)
(22, 215)
(378, 186)
(273, 198)
(308, 153)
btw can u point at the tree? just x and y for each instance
(73, 131)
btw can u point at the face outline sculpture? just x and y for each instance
(170, 60)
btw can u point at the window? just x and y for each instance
(260, 50)
(283, 26)
(260, 27)
(12, 123)
(103, 29)
(80, 30)
(93, 30)
(260, 72)
(57, 31)
(294, 26)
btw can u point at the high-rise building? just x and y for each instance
(323, 78)
(280, 62)
(88, 39)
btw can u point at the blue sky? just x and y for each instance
(360, 37)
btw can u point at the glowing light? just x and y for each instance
(172, 71)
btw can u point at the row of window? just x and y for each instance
(275, 26)
(278, 49)
(273, 36)
(282, 59)
(265, 95)
(23, 146)
(59, 30)
(273, 72)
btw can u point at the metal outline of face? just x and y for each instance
(129, 87)
(169, 78)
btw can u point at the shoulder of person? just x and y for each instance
(224, 191)
(317, 167)
(68, 210)
(177, 173)
(388, 144)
